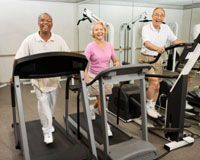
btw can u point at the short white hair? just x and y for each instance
(44, 14)
(101, 23)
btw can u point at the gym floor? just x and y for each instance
(7, 145)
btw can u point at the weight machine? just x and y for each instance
(126, 41)
(174, 28)
(88, 15)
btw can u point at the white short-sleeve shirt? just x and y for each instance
(158, 38)
(34, 44)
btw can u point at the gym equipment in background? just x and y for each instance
(126, 39)
(88, 15)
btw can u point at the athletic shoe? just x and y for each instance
(52, 129)
(159, 115)
(48, 138)
(109, 130)
(92, 112)
(188, 106)
(197, 91)
(151, 111)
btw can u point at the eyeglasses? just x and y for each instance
(45, 20)
(159, 15)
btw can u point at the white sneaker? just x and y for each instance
(152, 112)
(188, 106)
(92, 112)
(159, 115)
(109, 130)
(52, 129)
(197, 91)
(48, 138)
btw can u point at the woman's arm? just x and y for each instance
(115, 61)
(87, 78)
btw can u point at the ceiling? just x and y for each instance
(67, 1)
(167, 2)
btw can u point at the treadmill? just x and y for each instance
(122, 145)
(28, 135)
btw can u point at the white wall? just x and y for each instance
(186, 25)
(19, 19)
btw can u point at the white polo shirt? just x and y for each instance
(34, 44)
(158, 38)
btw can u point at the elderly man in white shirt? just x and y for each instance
(154, 37)
(46, 89)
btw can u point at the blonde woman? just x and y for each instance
(99, 53)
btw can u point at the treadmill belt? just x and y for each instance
(62, 147)
(118, 135)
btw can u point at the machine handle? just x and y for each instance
(83, 19)
(12, 91)
(178, 45)
(169, 48)
(148, 20)
(155, 60)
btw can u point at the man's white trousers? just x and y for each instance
(46, 106)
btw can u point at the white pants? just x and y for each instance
(46, 106)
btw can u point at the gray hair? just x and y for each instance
(44, 14)
(158, 8)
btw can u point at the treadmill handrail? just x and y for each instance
(170, 48)
(122, 70)
(49, 64)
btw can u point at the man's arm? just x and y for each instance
(153, 47)
(177, 41)
(23, 50)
